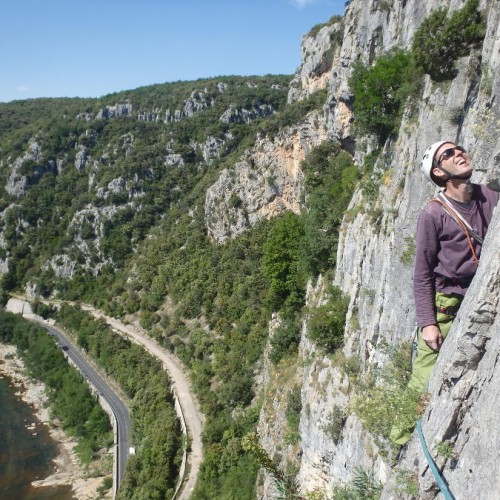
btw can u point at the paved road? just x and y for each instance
(190, 412)
(116, 404)
(193, 417)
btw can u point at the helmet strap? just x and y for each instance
(450, 176)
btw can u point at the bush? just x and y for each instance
(336, 421)
(364, 486)
(293, 409)
(327, 322)
(285, 341)
(383, 399)
(283, 263)
(380, 92)
(439, 41)
(331, 178)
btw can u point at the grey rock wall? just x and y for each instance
(264, 183)
(375, 261)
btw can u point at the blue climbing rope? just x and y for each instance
(443, 486)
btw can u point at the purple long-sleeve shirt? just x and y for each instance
(442, 250)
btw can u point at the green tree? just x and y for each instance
(380, 93)
(283, 263)
(440, 41)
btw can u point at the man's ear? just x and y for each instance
(438, 173)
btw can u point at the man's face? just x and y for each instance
(453, 159)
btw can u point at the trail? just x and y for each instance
(193, 418)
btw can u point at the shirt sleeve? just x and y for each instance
(427, 247)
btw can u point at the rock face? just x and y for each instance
(22, 177)
(319, 54)
(240, 115)
(265, 183)
(116, 111)
(374, 263)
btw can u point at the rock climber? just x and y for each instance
(450, 232)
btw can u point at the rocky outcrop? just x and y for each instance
(235, 114)
(374, 262)
(81, 157)
(319, 53)
(27, 170)
(196, 103)
(119, 110)
(212, 147)
(266, 182)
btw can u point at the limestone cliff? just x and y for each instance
(374, 264)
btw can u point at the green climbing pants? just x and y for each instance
(426, 357)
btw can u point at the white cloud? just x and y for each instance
(301, 3)
(23, 88)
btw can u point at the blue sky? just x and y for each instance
(90, 48)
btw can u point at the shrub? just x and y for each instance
(439, 41)
(407, 256)
(285, 483)
(327, 322)
(283, 263)
(362, 487)
(380, 92)
(286, 338)
(292, 413)
(383, 399)
(315, 29)
(335, 424)
(331, 178)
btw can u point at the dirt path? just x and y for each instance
(189, 406)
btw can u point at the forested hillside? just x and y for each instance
(103, 202)
(262, 229)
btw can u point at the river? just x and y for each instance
(26, 450)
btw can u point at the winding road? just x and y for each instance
(120, 411)
(187, 407)
(191, 414)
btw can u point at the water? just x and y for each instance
(25, 454)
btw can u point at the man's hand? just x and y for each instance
(432, 337)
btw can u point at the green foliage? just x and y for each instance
(106, 485)
(440, 41)
(283, 264)
(445, 449)
(292, 414)
(362, 487)
(407, 483)
(381, 91)
(327, 322)
(407, 256)
(336, 420)
(383, 399)
(286, 338)
(70, 399)
(293, 113)
(331, 178)
(43, 310)
(315, 29)
(285, 484)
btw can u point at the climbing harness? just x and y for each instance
(440, 480)
(464, 225)
(464, 282)
(447, 310)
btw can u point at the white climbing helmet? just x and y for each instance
(428, 159)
